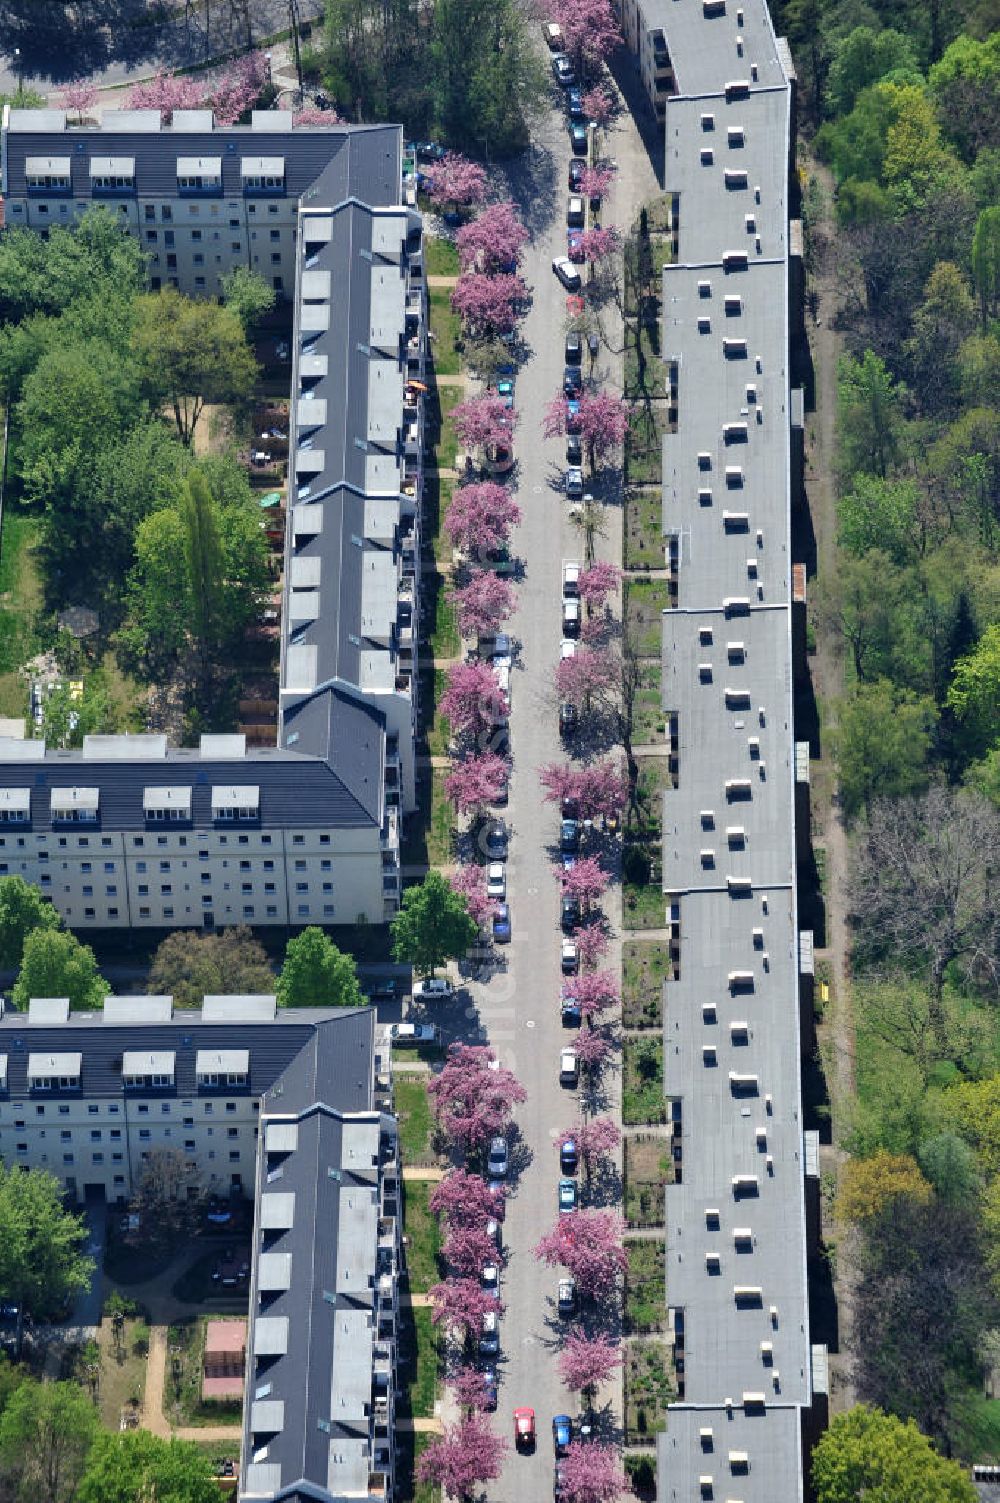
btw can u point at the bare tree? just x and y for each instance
(168, 1197)
(923, 888)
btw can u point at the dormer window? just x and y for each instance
(74, 805)
(145, 1071)
(199, 174)
(232, 802)
(222, 1067)
(54, 1072)
(164, 805)
(263, 174)
(15, 806)
(112, 174)
(48, 174)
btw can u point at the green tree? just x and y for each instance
(190, 965)
(864, 57)
(978, 367)
(23, 910)
(869, 413)
(248, 295)
(66, 719)
(950, 1165)
(136, 1467)
(432, 926)
(883, 743)
(972, 1110)
(42, 1265)
(48, 276)
(317, 974)
(157, 620)
(986, 262)
(965, 85)
(877, 513)
(867, 1184)
(984, 776)
(870, 1457)
(203, 556)
(974, 696)
(940, 324)
(46, 1433)
(55, 964)
(191, 353)
(485, 77)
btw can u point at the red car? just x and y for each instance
(524, 1429)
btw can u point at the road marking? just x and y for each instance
(530, 1023)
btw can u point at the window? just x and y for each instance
(328, 910)
(248, 910)
(166, 213)
(88, 890)
(275, 234)
(144, 1134)
(326, 864)
(246, 887)
(278, 283)
(144, 889)
(300, 866)
(234, 1157)
(298, 840)
(88, 913)
(196, 234)
(269, 866)
(269, 887)
(272, 910)
(151, 237)
(140, 866)
(39, 1111)
(164, 1105)
(230, 1106)
(95, 1134)
(302, 887)
(149, 211)
(144, 1105)
(168, 240)
(166, 889)
(67, 1157)
(143, 912)
(110, 890)
(199, 259)
(236, 1078)
(275, 258)
(232, 1132)
(172, 263)
(22, 1147)
(116, 1134)
(189, 1144)
(92, 1109)
(65, 1136)
(303, 910)
(327, 886)
(97, 1158)
(64, 1111)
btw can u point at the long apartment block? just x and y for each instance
(750, 1383)
(291, 1108)
(320, 213)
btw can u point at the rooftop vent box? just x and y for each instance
(713, 7)
(733, 306)
(707, 156)
(708, 1013)
(736, 835)
(737, 788)
(734, 135)
(758, 939)
(708, 819)
(742, 1085)
(704, 496)
(736, 177)
(737, 88)
(734, 477)
(735, 260)
(713, 1262)
(735, 652)
(704, 289)
(747, 1294)
(712, 1219)
(705, 672)
(734, 349)
(739, 887)
(736, 521)
(704, 325)
(741, 981)
(735, 433)
(737, 699)
(708, 1055)
(704, 460)
(708, 122)
(704, 634)
(751, 395)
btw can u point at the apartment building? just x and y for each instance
(257, 1099)
(644, 28)
(320, 212)
(750, 1383)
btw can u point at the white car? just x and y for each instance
(414, 1033)
(496, 880)
(434, 989)
(567, 648)
(567, 273)
(571, 618)
(569, 1067)
(571, 579)
(490, 1277)
(570, 957)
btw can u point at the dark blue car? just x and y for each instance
(574, 101)
(562, 1433)
(501, 924)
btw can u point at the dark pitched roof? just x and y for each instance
(338, 724)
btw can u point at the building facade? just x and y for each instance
(255, 1099)
(320, 213)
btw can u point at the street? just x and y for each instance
(518, 1009)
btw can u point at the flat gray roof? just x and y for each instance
(769, 1439)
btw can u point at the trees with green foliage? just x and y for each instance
(950, 1165)
(869, 410)
(92, 257)
(965, 85)
(877, 513)
(940, 324)
(248, 295)
(974, 696)
(986, 262)
(23, 909)
(486, 80)
(55, 964)
(136, 1466)
(868, 1184)
(190, 964)
(317, 974)
(203, 557)
(191, 353)
(867, 1456)
(46, 1433)
(42, 1262)
(432, 926)
(864, 57)
(882, 741)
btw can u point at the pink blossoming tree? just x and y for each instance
(590, 31)
(239, 88)
(592, 1473)
(597, 583)
(313, 116)
(594, 1049)
(602, 790)
(470, 1389)
(473, 700)
(586, 1362)
(483, 603)
(475, 782)
(471, 1101)
(596, 181)
(480, 517)
(592, 941)
(484, 421)
(467, 1250)
(465, 1199)
(600, 243)
(597, 1140)
(470, 883)
(589, 1244)
(599, 106)
(80, 97)
(166, 92)
(488, 305)
(593, 992)
(586, 880)
(493, 241)
(457, 181)
(459, 1305)
(601, 421)
(591, 672)
(463, 1457)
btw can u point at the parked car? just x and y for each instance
(563, 71)
(573, 482)
(578, 138)
(573, 420)
(569, 1071)
(490, 1387)
(575, 177)
(567, 273)
(414, 1033)
(426, 151)
(562, 1433)
(505, 389)
(502, 925)
(558, 1486)
(574, 449)
(385, 990)
(434, 989)
(489, 1338)
(569, 719)
(569, 964)
(566, 1297)
(524, 1429)
(569, 835)
(574, 103)
(498, 1159)
(567, 1188)
(496, 840)
(569, 1156)
(572, 380)
(567, 649)
(552, 33)
(574, 247)
(496, 880)
(576, 212)
(570, 579)
(569, 914)
(571, 618)
(494, 1233)
(490, 1277)
(573, 349)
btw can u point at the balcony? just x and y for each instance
(390, 835)
(384, 1362)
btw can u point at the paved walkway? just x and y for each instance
(428, 1172)
(153, 1417)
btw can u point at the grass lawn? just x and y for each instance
(649, 1389)
(447, 442)
(424, 1369)
(648, 1167)
(645, 966)
(437, 728)
(654, 777)
(415, 1122)
(182, 1401)
(20, 602)
(644, 530)
(645, 602)
(441, 832)
(645, 372)
(438, 491)
(649, 723)
(645, 1285)
(123, 1369)
(445, 640)
(445, 330)
(642, 1088)
(423, 1235)
(645, 904)
(440, 257)
(409, 1449)
(643, 443)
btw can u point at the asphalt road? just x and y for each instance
(518, 1008)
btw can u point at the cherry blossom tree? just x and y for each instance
(603, 424)
(589, 1244)
(592, 941)
(313, 116)
(591, 671)
(598, 106)
(602, 790)
(592, 1473)
(470, 1388)
(493, 241)
(464, 1456)
(597, 583)
(484, 421)
(473, 701)
(239, 88)
(483, 603)
(166, 92)
(586, 1362)
(460, 1304)
(595, 181)
(467, 1250)
(472, 1101)
(593, 1050)
(599, 242)
(488, 304)
(593, 991)
(480, 516)
(590, 30)
(457, 181)
(80, 97)
(465, 1199)
(475, 781)
(597, 1140)
(470, 883)
(560, 780)
(586, 880)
